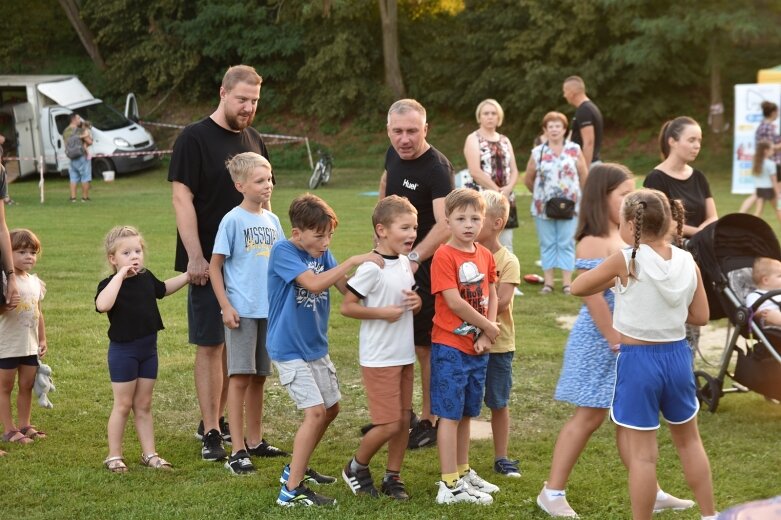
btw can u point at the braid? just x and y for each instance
(639, 210)
(678, 214)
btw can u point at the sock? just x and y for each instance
(712, 517)
(496, 459)
(450, 479)
(555, 493)
(463, 469)
(661, 495)
(355, 465)
(389, 474)
(254, 447)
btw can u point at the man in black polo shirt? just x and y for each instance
(587, 122)
(418, 171)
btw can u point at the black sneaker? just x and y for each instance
(310, 476)
(212, 446)
(423, 434)
(394, 488)
(302, 496)
(224, 431)
(265, 449)
(240, 464)
(359, 482)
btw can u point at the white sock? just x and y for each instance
(712, 517)
(661, 495)
(555, 493)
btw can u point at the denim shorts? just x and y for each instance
(457, 382)
(310, 383)
(652, 379)
(246, 348)
(204, 318)
(128, 361)
(499, 380)
(80, 170)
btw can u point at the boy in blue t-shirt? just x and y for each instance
(301, 270)
(238, 270)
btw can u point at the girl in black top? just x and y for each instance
(680, 140)
(129, 297)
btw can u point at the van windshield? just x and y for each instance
(103, 117)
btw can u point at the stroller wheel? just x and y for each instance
(708, 390)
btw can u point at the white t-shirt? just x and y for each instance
(771, 304)
(19, 326)
(384, 344)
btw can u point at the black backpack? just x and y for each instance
(74, 148)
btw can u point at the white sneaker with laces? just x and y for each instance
(463, 492)
(476, 481)
(557, 506)
(671, 503)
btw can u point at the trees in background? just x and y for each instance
(334, 59)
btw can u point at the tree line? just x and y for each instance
(643, 60)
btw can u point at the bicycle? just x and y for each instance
(322, 172)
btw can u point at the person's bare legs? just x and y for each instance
(571, 442)
(566, 277)
(224, 390)
(751, 199)
(24, 397)
(253, 398)
(376, 439)
(142, 414)
(696, 467)
(209, 381)
(640, 453)
(237, 391)
(547, 275)
(462, 448)
(123, 403)
(760, 206)
(85, 190)
(316, 421)
(447, 445)
(7, 379)
(423, 354)
(73, 190)
(500, 429)
(397, 445)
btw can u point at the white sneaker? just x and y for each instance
(517, 292)
(476, 481)
(557, 506)
(672, 503)
(463, 492)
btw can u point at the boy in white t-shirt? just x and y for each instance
(238, 270)
(384, 300)
(767, 277)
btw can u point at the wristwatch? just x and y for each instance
(413, 256)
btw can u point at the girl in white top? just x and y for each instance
(658, 290)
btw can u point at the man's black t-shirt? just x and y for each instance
(588, 114)
(135, 313)
(198, 161)
(692, 192)
(421, 180)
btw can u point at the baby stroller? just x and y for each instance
(725, 252)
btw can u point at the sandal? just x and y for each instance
(115, 464)
(155, 461)
(30, 432)
(566, 290)
(16, 436)
(546, 289)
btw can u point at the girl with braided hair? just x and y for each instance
(658, 289)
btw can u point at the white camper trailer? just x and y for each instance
(35, 110)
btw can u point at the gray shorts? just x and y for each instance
(204, 320)
(246, 348)
(310, 383)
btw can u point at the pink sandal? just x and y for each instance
(16, 436)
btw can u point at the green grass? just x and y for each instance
(62, 476)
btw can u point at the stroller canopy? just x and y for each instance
(731, 242)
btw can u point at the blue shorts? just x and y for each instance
(654, 378)
(80, 170)
(499, 380)
(12, 363)
(204, 317)
(127, 361)
(457, 382)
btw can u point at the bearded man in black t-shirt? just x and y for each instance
(203, 193)
(418, 171)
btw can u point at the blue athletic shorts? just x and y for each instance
(499, 380)
(127, 361)
(457, 382)
(652, 379)
(12, 363)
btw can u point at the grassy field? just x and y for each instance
(62, 476)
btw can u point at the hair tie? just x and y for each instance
(634, 252)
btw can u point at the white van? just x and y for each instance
(35, 110)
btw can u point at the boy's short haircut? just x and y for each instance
(241, 165)
(309, 211)
(389, 208)
(496, 205)
(24, 239)
(763, 267)
(463, 197)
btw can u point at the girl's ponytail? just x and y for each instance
(640, 206)
(678, 214)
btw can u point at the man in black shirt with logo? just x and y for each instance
(418, 171)
(587, 123)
